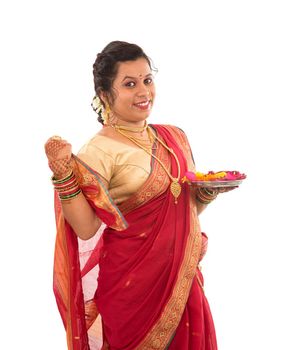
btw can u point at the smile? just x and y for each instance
(145, 105)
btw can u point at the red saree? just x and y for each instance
(149, 292)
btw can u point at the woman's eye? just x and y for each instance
(148, 81)
(130, 84)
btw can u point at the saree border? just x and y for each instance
(101, 198)
(88, 179)
(157, 183)
(161, 334)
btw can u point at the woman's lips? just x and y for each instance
(144, 106)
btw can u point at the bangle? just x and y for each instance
(67, 187)
(205, 195)
(70, 195)
(63, 180)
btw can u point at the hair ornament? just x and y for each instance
(97, 105)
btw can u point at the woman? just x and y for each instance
(127, 181)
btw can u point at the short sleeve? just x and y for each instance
(98, 160)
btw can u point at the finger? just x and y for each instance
(227, 189)
(212, 190)
(52, 139)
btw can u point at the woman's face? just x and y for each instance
(134, 92)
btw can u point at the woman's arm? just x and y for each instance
(76, 209)
(200, 207)
(205, 196)
(81, 217)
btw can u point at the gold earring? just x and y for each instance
(106, 114)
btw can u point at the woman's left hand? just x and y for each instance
(206, 195)
(226, 189)
(216, 190)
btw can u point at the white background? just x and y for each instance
(228, 77)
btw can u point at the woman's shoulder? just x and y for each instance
(103, 138)
(173, 129)
(99, 144)
(168, 126)
(177, 133)
(105, 142)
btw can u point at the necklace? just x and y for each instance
(131, 128)
(175, 187)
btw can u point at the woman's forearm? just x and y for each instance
(76, 209)
(81, 217)
(200, 207)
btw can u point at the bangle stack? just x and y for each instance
(205, 195)
(67, 188)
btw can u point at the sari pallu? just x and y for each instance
(147, 270)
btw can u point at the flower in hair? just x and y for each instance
(97, 105)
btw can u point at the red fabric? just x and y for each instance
(139, 269)
(67, 284)
(139, 266)
(196, 329)
(137, 273)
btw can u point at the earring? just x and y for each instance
(106, 113)
(103, 112)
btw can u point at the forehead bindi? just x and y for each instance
(133, 69)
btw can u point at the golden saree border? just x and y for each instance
(95, 190)
(182, 140)
(61, 256)
(61, 272)
(157, 183)
(162, 332)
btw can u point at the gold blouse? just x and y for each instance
(124, 168)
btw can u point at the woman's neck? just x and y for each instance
(136, 124)
(133, 127)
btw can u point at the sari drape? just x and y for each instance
(149, 287)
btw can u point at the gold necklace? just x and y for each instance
(175, 187)
(146, 143)
(131, 128)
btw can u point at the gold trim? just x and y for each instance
(200, 284)
(156, 184)
(161, 333)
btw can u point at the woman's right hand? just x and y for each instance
(59, 154)
(77, 211)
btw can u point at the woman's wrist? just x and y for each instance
(67, 187)
(206, 195)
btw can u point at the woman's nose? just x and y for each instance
(144, 91)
